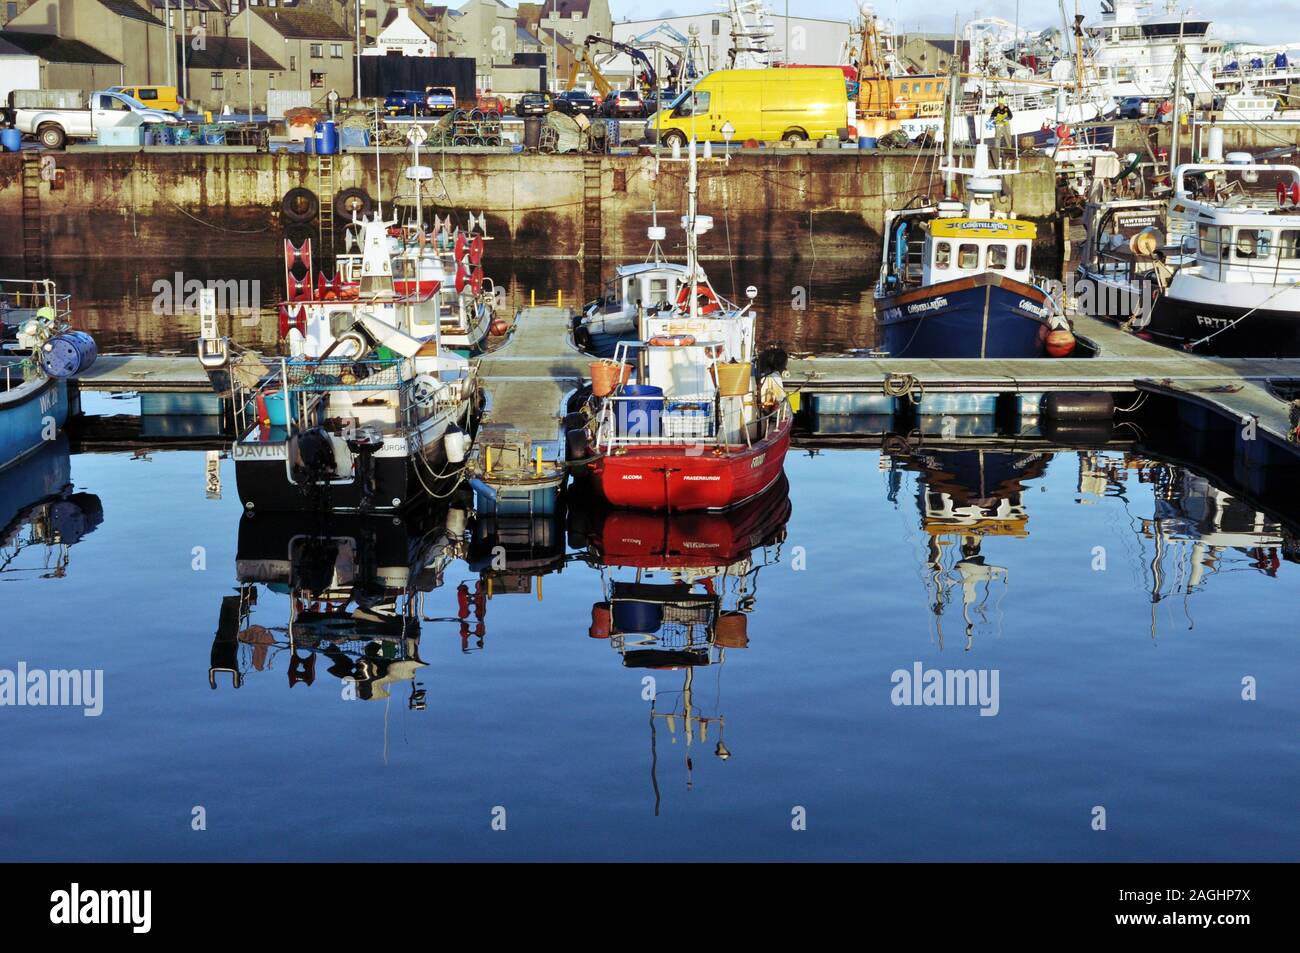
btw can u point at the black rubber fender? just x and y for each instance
(352, 200)
(1077, 433)
(577, 444)
(1076, 405)
(299, 205)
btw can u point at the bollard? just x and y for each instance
(559, 298)
(539, 588)
(538, 464)
(532, 298)
(488, 452)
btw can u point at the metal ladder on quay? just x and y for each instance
(591, 209)
(33, 247)
(326, 186)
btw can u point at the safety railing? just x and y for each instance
(1257, 255)
(22, 298)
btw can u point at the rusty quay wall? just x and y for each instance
(766, 205)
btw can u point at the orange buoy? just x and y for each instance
(599, 621)
(671, 340)
(498, 327)
(1060, 343)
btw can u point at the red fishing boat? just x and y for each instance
(689, 417)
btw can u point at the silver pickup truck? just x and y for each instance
(54, 127)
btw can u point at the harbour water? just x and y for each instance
(1130, 626)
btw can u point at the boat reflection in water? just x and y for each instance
(41, 517)
(1195, 529)
(964, 497)
(511, 552)
(677, 594)
(356, 585)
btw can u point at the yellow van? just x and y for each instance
(155, 97)
(763, 104)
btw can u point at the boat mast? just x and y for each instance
(691, 239)
(1176, 117)
(950, 110)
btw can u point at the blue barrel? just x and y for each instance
(640, 414)
(637, 618)
(867, 142)
(309, 146)
(11, 139)
(68, 354)
(327, 138)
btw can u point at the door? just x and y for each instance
(109, 111)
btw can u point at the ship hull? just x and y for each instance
(979, 317)
(683, 478)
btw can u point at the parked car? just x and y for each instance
(1130, 107)
(439, 100)
(533, 104)
(409, 102)
(625, 103)
(106, 109)
(575, 101)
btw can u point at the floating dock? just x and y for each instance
(529, 379)
(519, 453)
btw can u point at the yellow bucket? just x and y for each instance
(734, 379)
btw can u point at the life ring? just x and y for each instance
(671, 340)
(707, 299)
(299, 206)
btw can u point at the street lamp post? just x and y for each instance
(185, 42)
(357, 92)
(249, 38)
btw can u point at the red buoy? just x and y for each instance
(1060, 343)
(498, 327)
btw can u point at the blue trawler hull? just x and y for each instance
(32, 415)
(986, 315)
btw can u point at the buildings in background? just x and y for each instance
(805, 41)
(311, 45)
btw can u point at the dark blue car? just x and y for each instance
(410, 102)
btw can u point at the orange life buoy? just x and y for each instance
(671, 340)
(707, 297)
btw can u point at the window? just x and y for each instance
(1288, 247)
(145, 94)
(315, 50)
(1022, 257)
(716, 27)
(317, 80)
(336, 51)
(1209, 235)
(1253, 243)
(11, 10)
(293, 64)
(968, 257)
(111, 102)
(218, 80)
(929, 87)
(942, 255)
(697, 104)
(998, 257)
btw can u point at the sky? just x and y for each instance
(1254, 22)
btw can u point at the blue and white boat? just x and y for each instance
(40, 353)
(956, 279)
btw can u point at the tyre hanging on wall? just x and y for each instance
(299, 205)
(352, 200)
